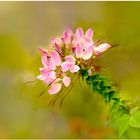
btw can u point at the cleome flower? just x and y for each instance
(68, 54)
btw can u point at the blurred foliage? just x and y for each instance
(25, 26)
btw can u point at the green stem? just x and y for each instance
(119, 108)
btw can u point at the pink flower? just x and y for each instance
(68, 53)
(83, 43)
(84, 52)
(101, 49)
(69, 64)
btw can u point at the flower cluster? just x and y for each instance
(69, 54)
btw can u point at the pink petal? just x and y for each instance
(79, 51)
(88, 42)
(66, 80)
(56, 58)
(44, 60)
(55, 88)
(65, 66)
(43, 51)
(87, 53)
(51, 64)
(101, 48)
(44, 71)
(80, 33)
(56, 40)
(41, 77)
(57, 48)
(89, 34)
(67, 36)
(70, 59)
(44, 54)
(47, 80)
(52, 75)
(69, 31)
(74, 68)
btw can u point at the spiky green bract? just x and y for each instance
(122, 113)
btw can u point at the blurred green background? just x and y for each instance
(25, 26)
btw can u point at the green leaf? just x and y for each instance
(135, 120)
(123, 124)
(134, 110)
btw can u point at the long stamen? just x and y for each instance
(42, 92)
(29, 82)
(115, 45)
(68, 92)
(52, 102)
(53, 99)
(97, 41)
(49, 85)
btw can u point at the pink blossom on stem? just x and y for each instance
(83, 43)
(69, 53)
